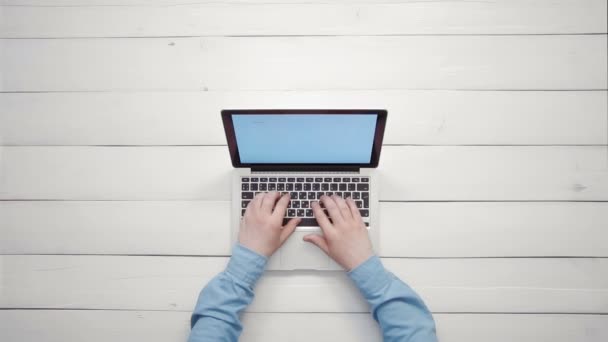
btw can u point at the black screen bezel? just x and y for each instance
(234, 153)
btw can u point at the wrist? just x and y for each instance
(358, 261)
(246, 265)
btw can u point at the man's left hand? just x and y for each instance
(262, 228)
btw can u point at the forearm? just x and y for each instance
(400, 312)
(216, 315)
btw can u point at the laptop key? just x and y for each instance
(309, 213)
(318, 179)
(363, 187)
(342, 187)
(282, 179)
(304, 222)
(316, 186)
(245, 179)
(247, 195)
(263, 187)
(272, 186)
(291, 180)
(309, 179)
(302, 195)
(298, 187)
(347, 195)
(356, 195)
(291, 213)
(295, 204)
(311, 195)
(319, 194)
(243, 212)
(364, 212)
(301, 213)
(289, 187)
(333, 187)
(327, 180)
(339, 193)
(245, 187)
(244, 204)
(359, 204)
(255, 179)
(300, 180)
(365, 203)
(293, 195)
(280, 187)
(304, 204)
(263, 179)
(365, 195)
(254, 187)
(365, 180)
(272, 180)
(337, 180)
(307, 187)
(351, 187)
(355, 180)
(324, 186)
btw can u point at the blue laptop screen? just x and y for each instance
(305, 139)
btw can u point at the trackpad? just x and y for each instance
(297, 254)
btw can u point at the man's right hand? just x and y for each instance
(345, 238)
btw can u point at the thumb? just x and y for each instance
(318, 241)
(289, 228)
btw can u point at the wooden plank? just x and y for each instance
(203, 227)
(70, 326)
(306, 63)
(538, 285)
(198, 19)
(406, 173)
(415, 117)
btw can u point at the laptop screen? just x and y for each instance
(305, 138)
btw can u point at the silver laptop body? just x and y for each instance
(261, 165)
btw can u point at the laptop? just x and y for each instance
(305, 153)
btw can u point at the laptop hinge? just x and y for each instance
(299, 168)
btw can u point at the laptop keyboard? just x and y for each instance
(305, 190)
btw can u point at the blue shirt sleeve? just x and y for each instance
(216, 315)
(400, 312)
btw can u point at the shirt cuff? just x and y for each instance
(246, 265)
(370, 276)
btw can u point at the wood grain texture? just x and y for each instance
(429, 63)
(306, 63)
(233, 18)
(407, 173)
(172, 283)
(202, 228)
(415, 117)
(67, 325)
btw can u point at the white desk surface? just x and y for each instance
(114, 174)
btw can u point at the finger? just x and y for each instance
(257, 201)
(322, 219)
(332, 207)
(318, 241)
(269, 200)
(344, 209)
(281, 207)
(353, 209)
(289, 228)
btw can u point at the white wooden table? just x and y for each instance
(114, 174)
